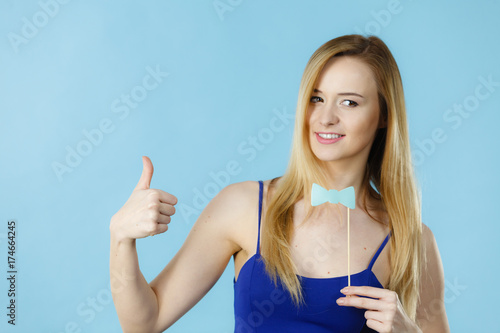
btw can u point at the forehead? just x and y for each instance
(345, 73)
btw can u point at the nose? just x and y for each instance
(328, 117)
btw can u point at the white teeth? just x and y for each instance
(329, 136)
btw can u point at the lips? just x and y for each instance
(330, 135)
(328, 138)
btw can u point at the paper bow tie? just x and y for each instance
(321, 195)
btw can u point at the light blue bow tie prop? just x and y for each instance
(320, 195)
(346, 197)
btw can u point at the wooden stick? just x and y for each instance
(348, 250)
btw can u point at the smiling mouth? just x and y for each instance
(330, 135)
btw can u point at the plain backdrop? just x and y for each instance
(88, 87)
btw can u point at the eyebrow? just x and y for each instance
(342, 94)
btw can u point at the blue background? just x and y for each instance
(228, 74)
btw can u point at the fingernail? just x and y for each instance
(340, 301)
(345, 290)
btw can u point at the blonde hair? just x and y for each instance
(389, 169)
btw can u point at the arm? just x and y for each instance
(147, 212)
(431, 313)
(154, 307)
(205, 253)
(134, 300)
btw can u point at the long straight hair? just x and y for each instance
(389, 176)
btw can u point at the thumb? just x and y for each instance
(147, 174)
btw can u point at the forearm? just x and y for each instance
(135, 301)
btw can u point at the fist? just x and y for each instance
(147, 211)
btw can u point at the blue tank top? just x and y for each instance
(260, 306)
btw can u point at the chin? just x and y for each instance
(328, 159)
(326, 156)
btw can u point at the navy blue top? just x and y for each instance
(261, 307)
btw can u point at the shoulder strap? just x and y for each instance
(379, 250)
(261, 187)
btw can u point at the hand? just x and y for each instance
(147, 212)
(384, 313)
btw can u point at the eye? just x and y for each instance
(316, 99)
(349, 102)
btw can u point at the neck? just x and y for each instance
(342, 174)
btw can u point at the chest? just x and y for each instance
(319, 244)
(259, 303)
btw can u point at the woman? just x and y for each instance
(290, 257)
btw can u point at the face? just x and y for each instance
(343, 113)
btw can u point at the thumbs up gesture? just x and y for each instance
(147, 211)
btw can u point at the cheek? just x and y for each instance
(366, 126)
(310, 119)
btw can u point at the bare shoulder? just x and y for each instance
(237, 197)
(427, 234)
(234, 209)
(242, 197)
(429, 242)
